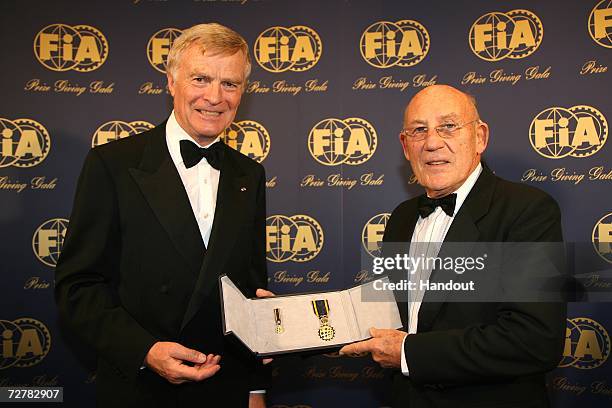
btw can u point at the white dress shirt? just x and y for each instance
(428, 235)
(201, 181)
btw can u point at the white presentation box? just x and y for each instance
(254, 321)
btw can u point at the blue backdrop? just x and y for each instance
(322, 112)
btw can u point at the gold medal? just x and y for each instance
(326, 332)
(321, 310)
(277, 319)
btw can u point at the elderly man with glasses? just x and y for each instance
(471, 354)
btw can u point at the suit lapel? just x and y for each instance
(410, 218)
(162, 188)
(402, 233)
(463, 229)
(225, 228)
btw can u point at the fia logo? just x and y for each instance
(515, 34)
(23, 143)
(159, 46)
(342, 141)
(118, 129)
(602, 237)
(600, 23)
(296, 48)
(60, 47)
(578, 131)
(249, 138)
(48, 240)
(385, 44)
(587, 344)
(25, 342)
(298, 238)
(372, 233)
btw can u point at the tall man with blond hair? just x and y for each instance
(466, 354)
(157, 218)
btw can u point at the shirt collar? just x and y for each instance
(463, 191)
(174, 134)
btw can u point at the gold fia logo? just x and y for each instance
(600, 23)
(48, 240)
(515, 34)
(159, 46)
(587, 344)
(249, 138)
(578, 131)
(23, 143)
(279, 49)
(342, 141)
(372, 233)
(298, 238)
(602, 237)
(118, 129)
(385, 44)
(60, 47)
(25, 342)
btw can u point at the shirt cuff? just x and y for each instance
(405, 370)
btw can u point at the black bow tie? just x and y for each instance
(428, 205)
(192, 154)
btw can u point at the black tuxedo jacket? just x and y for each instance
(483, 354)
(134, 269)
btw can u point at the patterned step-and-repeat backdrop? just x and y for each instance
(321, 112)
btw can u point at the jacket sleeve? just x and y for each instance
(523, 339)
(258, 272)
(88, 271)
(260, 376)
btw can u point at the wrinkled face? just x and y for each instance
(207, 91)
(442, 165)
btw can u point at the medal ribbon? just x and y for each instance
(320, 308)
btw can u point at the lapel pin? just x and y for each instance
(243, 189)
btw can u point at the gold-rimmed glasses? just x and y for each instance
(445, 130)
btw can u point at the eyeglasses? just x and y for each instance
(445, 130)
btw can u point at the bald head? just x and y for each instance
(440, 95)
